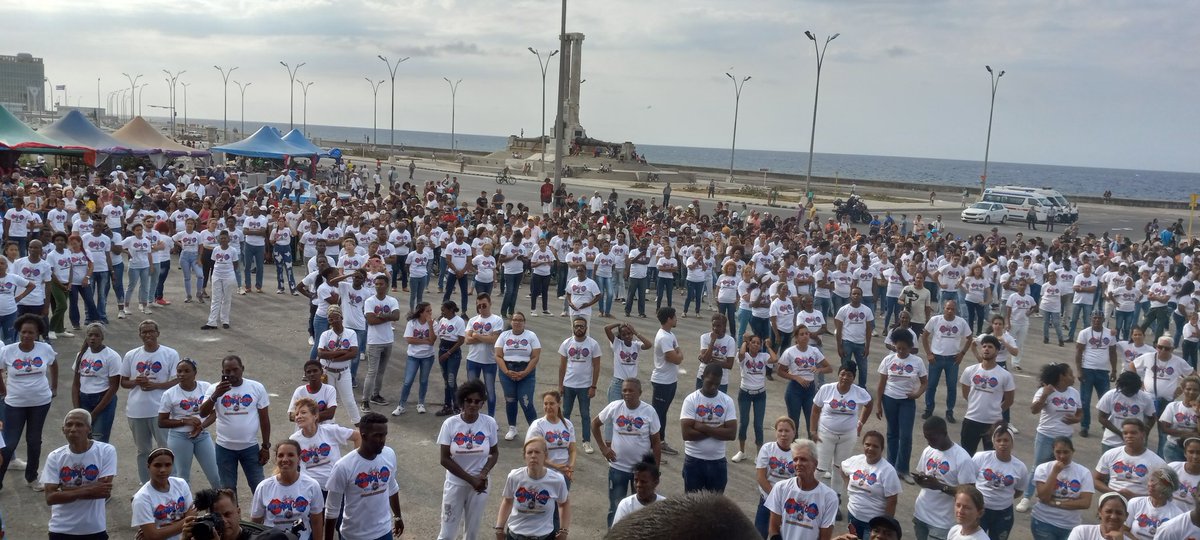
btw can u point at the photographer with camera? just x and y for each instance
(222, 520)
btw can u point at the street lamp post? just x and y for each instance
(737, 99)
(242, 89)
(292, 91)
(375, 111)
(225, 108)
(185, 118)
(171, 80)
(453, 106)
(816, 95)
(392, 70)
(304, 88)
(988, 145)
(140, 101)
(544, 65)
(97, 115)
(132, 91)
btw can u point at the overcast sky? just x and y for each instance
(1089, 82)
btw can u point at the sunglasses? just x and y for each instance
(471, 401)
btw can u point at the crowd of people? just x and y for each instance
(786, 304)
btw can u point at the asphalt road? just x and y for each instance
(269, 334)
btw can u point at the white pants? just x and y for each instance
(1019, 333)
(461, 503)
(222, 300)
(345, 392)
(833, 449)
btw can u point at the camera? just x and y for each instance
(210, 525)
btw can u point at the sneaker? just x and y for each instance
(546, 313)
(563, 314)
(907, 479)
(587, 448)
(534, 313)
(121, 314)
(208, 327)
(310, 340)
(279, 290)
(37, 485)
(162, 302)
(738, 457)
(925, 415)
(560, 297)
(147, 310)
(188, 300)
(225, 326)
(1082, 433)
(512, 433)
(242, 291)
(17, 464)
(66, 333)
(366, 405)
(420, 408)
(142, 308)
(445, 411)
(378, 400)
(666, 449)
(949, 418)
(399, 410)
(53, 336)
(827, 475)
(1013, 429)
(1025, 505)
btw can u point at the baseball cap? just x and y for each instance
(886, 522)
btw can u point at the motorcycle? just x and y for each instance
(853, 208)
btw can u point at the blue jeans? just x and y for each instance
(201, 448)
(743, 322)
(519, 392)
(100, 284)
(102, 421)
(695, 291)
(729, 310)
(862, 529)
(481, 287)
(255, 257)
(486, 372)
(7, 331)
(606, 294)
(838, 301)
(997, 523)
(90, 313)
(362, 351)
(891, 308)
(942, 364)
(799, 399)
(1089, 380)
(1125, 322)
(758, 402)
(417, 287)
(22, 244)
(512, 285)
(453, 280)
(399, 272)
(118, 285)
(661, 400)
(449, 371)
(1172, 452)
(585, 409)
(283, 265)
(227, 466)
(824, 305)
(901, 414)
(414, 364)
(762, 518)
(1080, 309)
(1045, 531)
(976, 315)
(1052, 319)
(190, 261)
(704, 474)
(539, 287)
(1043, 451)
(29, 421)
(136, 276)
(857, 351)
(320, 325)
(637, 288)
(620, 483)
(666, 285)
(164, 268)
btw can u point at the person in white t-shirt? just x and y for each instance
(635, 430)
(1181, 527)
(223, 280)
(188, 437)
(531, 496)
(242, 409)
(946, 340)
(469, 451)
(753, 359)
(147, 372)
(381, 310)
(481, 333)
(989, 391)
(325, 395)
(96, 379)
(855, 323)
(942, 467)
(1161, 373)
(518, 351)
(793, 521)
(1147, 514)
(578, 373)
(968, 511)
(646, 475)
(78, 479)
(1000, 478)
(1017, 308)
(288, 496)
(160, 506)
(1125, 469)
(708, 419)
(665, 377)
(840, 409)
(362, 487)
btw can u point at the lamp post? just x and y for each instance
(140, 101)
(304, 88)
(97, 115)
(988, 145)
(375, 111)
(816, 94)
(225, 108)
(737, 99)
(242, 89)
(453, 106)
(132, 90)
(392, 70)
(51, 93)
(171, 80)
(544, 65)
(120, 104)
(185, 118)
(292, 91)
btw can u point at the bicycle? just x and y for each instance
(503, 178)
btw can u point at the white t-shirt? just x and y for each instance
(839, 411)
(804, 513)
(558, 435)
(1118, 407)
(37, 273)
(380, 334)
(1145, 519)
(777, 462)
(1073, 481)
(1128, 472)
(1179, 527)
(801, 363)
(903, 374)
(1179, 416)
(582, 292)
(632, 429)
(1059, 406)
(419, 330)
(95, 369)
(518, 347)
(534, 501)
(946, 337)
(161, 508)
(1096, 347)
(987, 392)
(178, 403)
(367, 485)
(711, 411)
(854, 322)
(754, 371)
(998, 480)
(724, 347)
(27, 374)
(1189, 485)
(664, 372)
(280, 506)
(470, 443)
(223, 261)
(631, 504)
(1019, 305)
(1161, 376)
(485, 268)
(333, 341)
(320, 452)
(953, 467)
(483, 353)
(325, 396)
(957, 534)
(11, 285)
(870, 485)
(73, 471)
(625, 358)
(579, 355)
(237, 414)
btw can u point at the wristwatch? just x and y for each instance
(1058, 503)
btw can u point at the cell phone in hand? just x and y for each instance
(225, 378)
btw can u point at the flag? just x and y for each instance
(60, 87)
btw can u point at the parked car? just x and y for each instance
(985, 212)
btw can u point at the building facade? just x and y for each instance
(22, 83)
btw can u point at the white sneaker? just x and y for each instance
(512, 433)
(147, 310)
(399, 410)
(66, 333)
(534, 313)
(420, 408)
(121, 314)
(53, 336)
(310, 340)
(827, 475)
(142, 308)
(37, 485)
(17, 464)
(1025, 505)
(587, 448)
(1013, 429)
(738, 457)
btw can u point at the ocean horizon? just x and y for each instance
(1070, 180)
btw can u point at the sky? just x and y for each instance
(1097, 83)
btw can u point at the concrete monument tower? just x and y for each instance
(574, 59)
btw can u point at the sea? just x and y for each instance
(1091, 181)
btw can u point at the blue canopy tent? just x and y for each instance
(267, 143)
(75, 129)
(298, 139)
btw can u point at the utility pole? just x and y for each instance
(225, 108)
(988, 145)
(375, 110)
(453, 106)
(292, 92)
(242, 89)
(171, 80)
(737, 99)
(132, 92)
(392, 70)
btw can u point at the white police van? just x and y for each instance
(1063, 210)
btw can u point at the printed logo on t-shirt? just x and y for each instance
(28, 364)
(856, 316)
(88, 367)
(579, 352)
(222, 257)
(338, 344)
(470, 441)
(372, 479)
(1064, 402)
(1129, 470)
(709, 411)
(801, 511)
(1132, 409)
(170, 510)
(191, 403)
(288, 507)
(480, 326)
(1069, 487)
(31, 272)
(864, 478)
(237, 403)
(948, 329)
(997, 479)
(513, 342)
(753, 365)
(843, 406)
(901, 369)
(1150, 523)
(76, 475)
(784, 468)
(1097, 341)
(531, 499)
(932, 465)
(628, 358)
(984, 382)
(558, 438)
(315, 455)
(630, 424)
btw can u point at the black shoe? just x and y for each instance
(225, 326)
(366, 405)
(950, 417)
(378, 400)
(839, 515)
(1083, 433)
(770, 377)
(926, 415)
(208, 327)
(445, 411)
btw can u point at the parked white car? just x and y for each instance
(985, 212)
